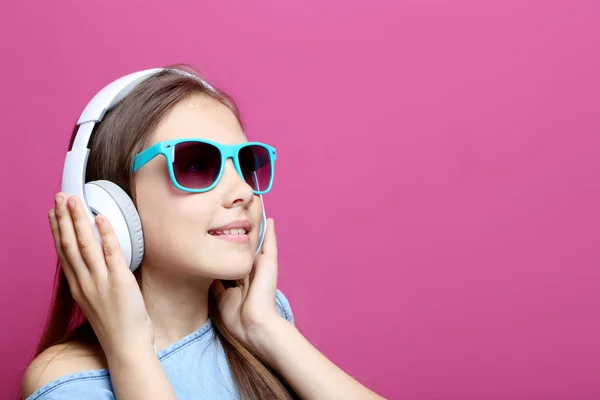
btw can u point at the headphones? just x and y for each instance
(105, 197)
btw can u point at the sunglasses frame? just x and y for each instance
(167, 149)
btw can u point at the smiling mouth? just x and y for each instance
(237, 235)
(235, 231)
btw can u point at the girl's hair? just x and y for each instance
(125, 131)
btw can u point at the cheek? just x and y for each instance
(170, 216)
(188, 214)
(175, 234)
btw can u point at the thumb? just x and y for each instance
(265, 267)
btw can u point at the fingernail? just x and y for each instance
(51, 213)
(58, 199)
(71, 203)
(99, 220)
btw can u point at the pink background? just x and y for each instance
(456, 258)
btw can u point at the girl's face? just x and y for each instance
(179, 226)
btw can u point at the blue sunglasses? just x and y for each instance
(197, 165)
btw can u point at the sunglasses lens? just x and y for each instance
(196, 165)
(255, 163)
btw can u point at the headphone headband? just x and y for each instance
(111, 95)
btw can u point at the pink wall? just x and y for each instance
(457, 259)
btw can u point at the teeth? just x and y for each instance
(236, 231)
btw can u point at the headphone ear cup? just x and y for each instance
(107, 198)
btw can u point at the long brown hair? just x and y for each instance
(124, 132)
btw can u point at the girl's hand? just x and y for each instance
(99, 278)
(249, 307)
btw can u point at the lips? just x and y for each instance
(234, 231)
(239, 228)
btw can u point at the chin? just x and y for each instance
(232, 266)
(233, 272)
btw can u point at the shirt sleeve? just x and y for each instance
(84, 385)
(283, 306)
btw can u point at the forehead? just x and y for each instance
(200, 117)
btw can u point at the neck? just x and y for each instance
(177, 306)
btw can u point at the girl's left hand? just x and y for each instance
(249, 307)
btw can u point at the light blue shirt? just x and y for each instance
(196, 366)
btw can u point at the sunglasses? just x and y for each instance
(197, 165)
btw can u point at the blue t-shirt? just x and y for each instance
(196, 366)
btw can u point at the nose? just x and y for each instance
(237, 192)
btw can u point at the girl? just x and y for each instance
(201, 317)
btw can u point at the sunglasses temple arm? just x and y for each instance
(146, 156)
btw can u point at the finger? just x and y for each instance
(88, 245)
(68, 240)
(265, 268)
(244, 283)
(270, 244)
(61, 257)
(115, 260)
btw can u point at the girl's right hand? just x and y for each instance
(99, 278)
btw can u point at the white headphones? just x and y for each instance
(105, 197)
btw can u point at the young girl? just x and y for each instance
(201, 317)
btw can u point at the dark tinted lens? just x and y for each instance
(196, 165)
(255, 162)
